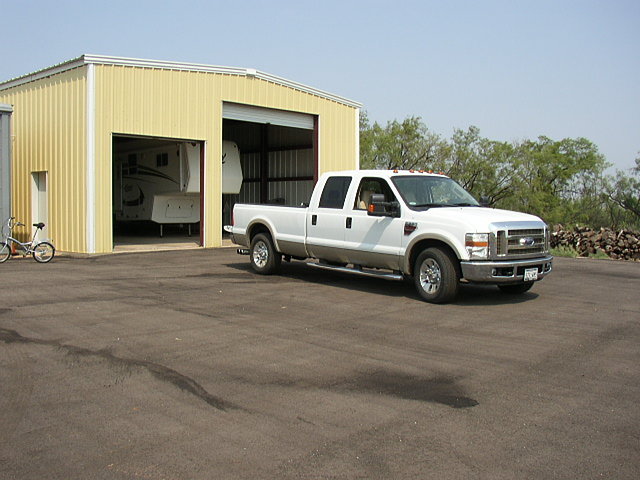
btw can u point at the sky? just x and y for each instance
(515, 69)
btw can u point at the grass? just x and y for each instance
(565, 251)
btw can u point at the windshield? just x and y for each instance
(427, 191)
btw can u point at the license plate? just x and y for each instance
(530, 274)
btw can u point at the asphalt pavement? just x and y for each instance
(187, 365)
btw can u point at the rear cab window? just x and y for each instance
(335, 192)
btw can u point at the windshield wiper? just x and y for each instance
(422, 205)
(431, 205)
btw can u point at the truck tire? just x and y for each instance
(435, 276)
(516, 289)
(264, 258)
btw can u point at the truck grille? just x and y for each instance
(521, 242)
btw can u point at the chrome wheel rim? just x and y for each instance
(260, 254)
(430, 276)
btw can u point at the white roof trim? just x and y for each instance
(168, 65)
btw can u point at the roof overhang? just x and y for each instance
(168, 65)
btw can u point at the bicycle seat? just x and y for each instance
(39, 225)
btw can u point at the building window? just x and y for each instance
(162, 160)
(132, 165)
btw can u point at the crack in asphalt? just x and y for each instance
(441, 389)
(162, 373)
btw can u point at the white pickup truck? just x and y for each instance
(395, 225)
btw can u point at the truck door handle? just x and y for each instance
(349, 220)
(314, 219)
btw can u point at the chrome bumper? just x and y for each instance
(508, 271)
(237, 239)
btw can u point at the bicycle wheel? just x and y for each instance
(43, 252)
(5, 252)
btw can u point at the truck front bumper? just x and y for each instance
(507, 271)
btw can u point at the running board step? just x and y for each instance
(357, 271)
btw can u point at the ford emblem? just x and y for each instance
(527, 242)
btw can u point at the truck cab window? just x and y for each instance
(335, 192)
(369, 186)
(431, 191)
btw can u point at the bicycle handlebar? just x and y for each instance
(10, 223)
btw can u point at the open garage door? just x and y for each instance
(283, 118)
(156, 193)
(278, 154)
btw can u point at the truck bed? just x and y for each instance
(290, 221)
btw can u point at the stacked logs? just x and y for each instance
(619, 245)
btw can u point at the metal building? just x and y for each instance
(79, 127)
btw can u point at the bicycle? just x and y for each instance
(42, 251)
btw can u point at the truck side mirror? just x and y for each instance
(378, 207)
(485, 201)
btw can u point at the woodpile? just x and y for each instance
(619, 245)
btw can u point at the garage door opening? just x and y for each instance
(278, 155)
(156, 193)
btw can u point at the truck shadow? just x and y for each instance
(469, 295)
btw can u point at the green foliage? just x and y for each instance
(404, 145)
(623, 191)
(483, 167)
(553, 177)
(562, 181)
(566, 251)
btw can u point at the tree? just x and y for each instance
(624, 192)
(483, 167)
(550, 173)
(561, 181)
(404, 145)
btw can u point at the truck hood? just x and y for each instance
(477, 219)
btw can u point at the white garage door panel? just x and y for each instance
(249, 113)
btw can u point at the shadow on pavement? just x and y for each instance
(469, 295)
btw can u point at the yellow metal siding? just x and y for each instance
(188, 105)
(49, 130)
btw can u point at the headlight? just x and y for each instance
(477, 245)
(547, 239)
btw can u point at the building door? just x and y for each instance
(39, 202)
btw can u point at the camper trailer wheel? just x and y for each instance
(264, 258)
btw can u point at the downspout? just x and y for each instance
(91, 159)
(357, 139)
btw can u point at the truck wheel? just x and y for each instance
(435, 276)
(517, 288)
(264, 258)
